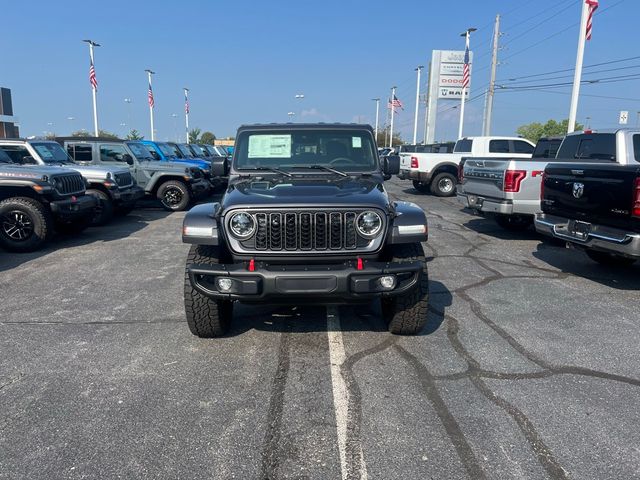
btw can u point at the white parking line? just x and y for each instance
(340, 392)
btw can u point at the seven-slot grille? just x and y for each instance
(69, 183)
(124, 179)
(304, 231)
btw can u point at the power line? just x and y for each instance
(571, 75)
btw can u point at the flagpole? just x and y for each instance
(577, 78)
(415, 118)
(186, 111)
(393, 96)
(466, 34)
(377, 100)
(153, 135)
(96, 131)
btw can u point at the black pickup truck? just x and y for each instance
(594, 203)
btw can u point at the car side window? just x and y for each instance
(80, 153)
(112, 153)
(499, 146)
(636, 147)
(15, 152)
(522, 147)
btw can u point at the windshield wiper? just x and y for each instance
(269, 169)
(326, 169)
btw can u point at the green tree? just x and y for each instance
(194, 135)
(134, 135)
(383, 138)
(534, 131)
(103, 134)
(208, 138)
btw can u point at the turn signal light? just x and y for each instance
(635, 208)
(414, 162)
(513, 179)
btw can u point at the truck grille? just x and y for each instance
(68, 184)
(124, 179)
(295, 231)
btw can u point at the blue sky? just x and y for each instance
(244, 61)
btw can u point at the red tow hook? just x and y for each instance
(252, 265)
(360, 265)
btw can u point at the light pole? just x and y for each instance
(123, 125)
(588, 126)
(291, 114)
(128, 102)
(392, 102)
(94, 86)
(186, 111)
(300, 97)
(377, 100)
(466, 76)
(151, 102)
(415, 118)
(175, 126)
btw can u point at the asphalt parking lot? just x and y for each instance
(528, 366)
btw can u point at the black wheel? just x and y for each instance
(75, 226)
(421, 187)
(206, 317)
(25, 224)
(103, 212)
(514, 223)
(406, 314)
(609, 259)
(174, 195)
(444, 185)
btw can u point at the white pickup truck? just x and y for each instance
(508, 190)
(437, 172)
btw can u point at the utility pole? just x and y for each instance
(94, 86)
(425, 97)
(377, 100)
(466, 77)
(415, 117)
(186, 111)
(577, 78)
(152, 103)
(488, 112)
(393, 97)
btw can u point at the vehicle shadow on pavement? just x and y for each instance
(575, 262)
(118, 228)
(313, 318)
(486, 226)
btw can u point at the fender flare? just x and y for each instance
(200, 226)
(409, 224)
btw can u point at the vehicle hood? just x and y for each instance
(32, 171)
(322, 191)
(96, 172)
(193, 162)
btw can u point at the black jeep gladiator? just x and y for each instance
(36, 199)
(306, 218)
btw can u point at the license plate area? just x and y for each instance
(578, 229)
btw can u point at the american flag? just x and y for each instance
(593, 6)
(465, 70)
(92, 77)
(150, 95)
(186, 104)
(395, 103)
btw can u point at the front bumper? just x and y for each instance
(326, 284)
(588, 235)
(128, 196)
(73, 207)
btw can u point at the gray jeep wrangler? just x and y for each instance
(35, 200)
(306, 218)
(114, 187)
(175, 185)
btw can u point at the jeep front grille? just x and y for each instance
(124, 179)
(291, 231)
(68, 184)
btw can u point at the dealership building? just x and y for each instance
(8, 127)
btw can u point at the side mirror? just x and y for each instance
(128, 158)
(218, 169)
(391, 165)
(29, 160)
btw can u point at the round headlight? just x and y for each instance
(369, 224)
(242, 225)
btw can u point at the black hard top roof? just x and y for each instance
(90, 139)
(307, 126)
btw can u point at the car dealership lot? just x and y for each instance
(528, 366)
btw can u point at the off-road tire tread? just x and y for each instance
(206, 317)
(43, 216)
(107, 206)
(407, 314)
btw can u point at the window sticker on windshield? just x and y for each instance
(356, 142)
(270, 146)
(44, 152)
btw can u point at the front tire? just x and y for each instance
(444, 185)
(104, 210)
(514, 223)
(174, 195)
(406, 314)
(609, 259)
(421, 187)
(25, 224)
(206, 317)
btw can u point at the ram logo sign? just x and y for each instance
(578, 190)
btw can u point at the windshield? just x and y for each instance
(340, 149)
(51, 152)
(166, 150)
(139, 151)
(185, 151)
(197, 150)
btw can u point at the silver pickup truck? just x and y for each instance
(507, 189)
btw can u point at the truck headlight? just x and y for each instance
(242, 225)
(369, 224)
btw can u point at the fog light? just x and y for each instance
(224, 284)
(387, 282)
